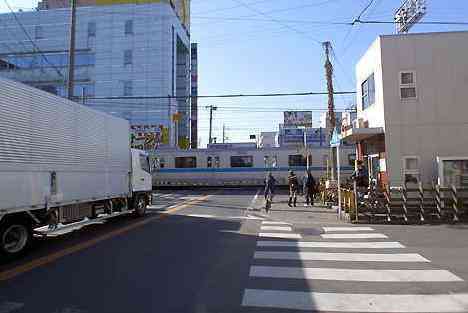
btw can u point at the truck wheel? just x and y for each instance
(15, 237)
(139, 204)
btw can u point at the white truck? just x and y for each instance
(63, 166)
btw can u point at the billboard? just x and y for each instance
(314, 136)
(298, 118)
(194, 99)
(411, 12)
(148, 137)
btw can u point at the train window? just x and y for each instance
(162, 162)
(209, 162)
(297, 160)
(242, 161)
(216, 161)
(266, 160)
(185, 162)
(274, 161)
(325, 160)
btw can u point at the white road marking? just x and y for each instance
(7, 307)
(353, 236)
(280, 235)
(275, 223)
(347, 302)
(354, 274)
(347, 257)
(345, 229)
(332, 244)
(279, 228)
(251, 206)
(201, 215)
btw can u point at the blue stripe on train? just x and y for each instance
(246, 169)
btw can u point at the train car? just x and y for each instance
(240, 166)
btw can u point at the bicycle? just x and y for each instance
(268, 201)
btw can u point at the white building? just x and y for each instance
(412, 105)
(268, 140)
(122, 50)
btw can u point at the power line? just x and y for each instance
(223, 96)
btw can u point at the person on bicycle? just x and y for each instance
(270, 183)
(360, 176)
(293, 185)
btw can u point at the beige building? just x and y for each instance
(412, 95)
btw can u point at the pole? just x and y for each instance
(224, 133)
(71, 50)
(212, 108)
(339, 183)
(331, 105)
(83, 100)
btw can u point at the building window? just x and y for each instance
(411, 172)
(407, 85)
(368, 92)
(92, 29)
(185, 162)
(38, 32)
(297, 160)
(128, 57)
(129, 27)
(242, 161)
(127, 88)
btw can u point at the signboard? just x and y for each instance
(314, 136)
(411, 12)
(298, 118)
(147, 137)
(336, 139)
(194, 99)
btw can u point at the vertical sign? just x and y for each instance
(194, 100)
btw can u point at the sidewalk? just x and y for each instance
(317, 214)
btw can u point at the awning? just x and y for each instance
(360, 134)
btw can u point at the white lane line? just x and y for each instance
(353, 236)
(354, 274)
(274, 223)
(7, 307)
(333, 244)
(280, 235)
(254, 199)
(347, 302)
(279, 228)
(201, 215)
(346, 257)
(345, 229)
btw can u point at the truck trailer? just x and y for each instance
(63, 166)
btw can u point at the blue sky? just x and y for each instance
(262, 46)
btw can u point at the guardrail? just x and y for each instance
(404, 204)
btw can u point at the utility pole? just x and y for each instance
(212, 108)
(224, 133)
(331, 106)
(71, 50)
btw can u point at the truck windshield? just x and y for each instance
(144, 162)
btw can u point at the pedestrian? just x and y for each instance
(270, 183)
(293, 185)
(309, 188)
(360, 176)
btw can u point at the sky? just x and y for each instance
(274, 46)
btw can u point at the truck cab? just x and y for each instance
(141, 171)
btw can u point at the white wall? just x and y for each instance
(436, 123)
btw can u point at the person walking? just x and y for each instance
(293, 185)
(270, 183)
(309, 188)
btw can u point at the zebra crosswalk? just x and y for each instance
(345, 269)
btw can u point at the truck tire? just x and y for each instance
(139, 205)
(15, 237)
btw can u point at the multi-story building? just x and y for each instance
(129, 56)
(412, 108)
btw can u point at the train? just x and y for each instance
(241, 165)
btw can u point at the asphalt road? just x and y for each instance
(214, 252)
